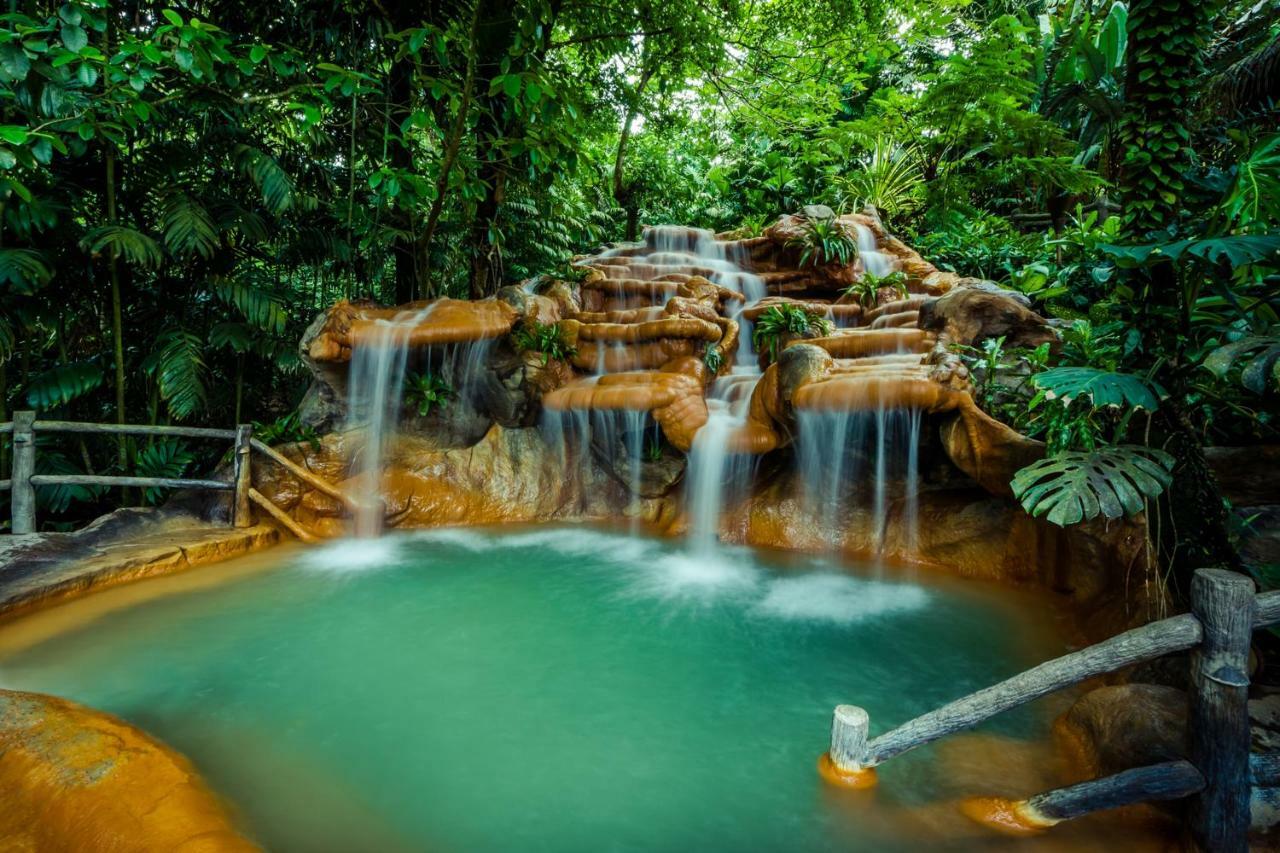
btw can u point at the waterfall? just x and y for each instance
(874, 261)
(714, 470)
(378, 362)
(854, 465)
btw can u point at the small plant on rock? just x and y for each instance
(780, 323)
(825, 241)
(866, 290)
(548, 339)
(713, 359)
(426, 391)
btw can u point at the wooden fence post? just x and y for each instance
(1218, 724)
(242, 514)
(23, 495)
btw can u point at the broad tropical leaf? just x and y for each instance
(258, 307)
(23, 270)
(129, 243)
(1236, 249)
(179, 372)
(1101, 387)
(56, 499)
(1077, 485)
(1261, 362)
(188, 228)
(272, 181)
(166, 458)
(62, 384)
(237, 337)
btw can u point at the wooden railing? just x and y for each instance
(23, 480)
(1219, 770)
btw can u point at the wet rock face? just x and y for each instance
(77, 779)
(1129, 725)
(969, 316)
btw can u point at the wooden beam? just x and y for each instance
(135, 429)
(22, 499)
(1218, 725)
(241, 513)
(302, 474)
(1175, 634)
(1266, 610)
(280, 515)
(1172, 780)
(145, 482)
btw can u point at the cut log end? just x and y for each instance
(1009, 817)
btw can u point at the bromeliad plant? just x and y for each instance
(548, 339)
(867, 288)
(780, 323)
(825, 241)
(426, 391)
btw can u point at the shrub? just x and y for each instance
(548, 339)
(427, 391)
(825, 241)
(780, 322)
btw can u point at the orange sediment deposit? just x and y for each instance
(896, 321)
(857, 343)
(77, 779)
(674, 399)
(447, 321)
(860, 392)
(643, 355)
(854, 780)
(1011, 817)
(690, 328)
(900, 306)
(846, 311)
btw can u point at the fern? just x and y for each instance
(188, 228)
(179, 372)
(1100, 387)
(62, 384)
(1075, 486)
(168, 457)
(129, 243)
(23, 270)
(237, 337)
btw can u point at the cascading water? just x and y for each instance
(378, 364)
(853, 463)
(874, 261)
(714, 470)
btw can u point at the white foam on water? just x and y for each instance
(837, 599)
(351, 555)
(609, 547)
(704, 577)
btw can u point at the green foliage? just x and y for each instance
(286, 429)
(1100, 388)
(1075, 486)
(63, 383)
(167, 457)
(780, 323)
(548, 339)
(888, 178)
(713, 359)
(426, 391)
(177, 365)
(1256, 358)
(867, 288)
(825, 241)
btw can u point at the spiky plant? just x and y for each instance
(780, 323)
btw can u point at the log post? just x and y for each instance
(23, 494)
(849, 727)
(845, 763)
(241, 513)
(1218, 724)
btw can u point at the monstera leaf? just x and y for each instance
(1102, 387)
(1260, 356)
(1079, 485)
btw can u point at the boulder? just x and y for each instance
(967, 316)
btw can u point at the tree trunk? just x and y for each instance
(623, 193)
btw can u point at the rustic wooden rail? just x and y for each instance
(23, 480)
(1224, 614)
